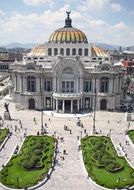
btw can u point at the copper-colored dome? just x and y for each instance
(68, 34)
(38, 51)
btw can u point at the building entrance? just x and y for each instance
(31, 104)
(103, 105)
(67, 106)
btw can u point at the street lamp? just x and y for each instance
(41, 110)
(17, 178)
(94, 115)
(118, 181)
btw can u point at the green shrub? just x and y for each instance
(28, 164)
(37, 152)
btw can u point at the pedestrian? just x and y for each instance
(49, 119)
(70, 131)
(77, 137)
(108, 121)
(21, 126)
(15, 128)
(85, 131)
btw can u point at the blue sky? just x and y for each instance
(107, 21)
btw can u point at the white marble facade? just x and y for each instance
(66, 79)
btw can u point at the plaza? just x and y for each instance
(69, 173)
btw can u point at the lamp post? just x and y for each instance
(41, 93)
(94, 115)
(17, 178)
(118, 181)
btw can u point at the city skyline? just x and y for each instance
(33, 21)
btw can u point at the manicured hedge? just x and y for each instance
(3, 134)
(131, 135)
(104, 165)
(31, 164)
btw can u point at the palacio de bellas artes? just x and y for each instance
(66, 103)
(67, 75)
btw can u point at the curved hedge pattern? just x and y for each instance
(104, 165)
(31, 164)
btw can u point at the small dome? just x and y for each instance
(38, 51)
(98, 52)
(68, 34)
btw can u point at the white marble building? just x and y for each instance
(67, 74)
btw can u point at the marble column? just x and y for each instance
(21, 84)
(38, 84)
(63, 106)
(78, 105)
(56, 105)
(81, 103)
(53, 104)
(24, 84)
(110, 88)
(71, 106)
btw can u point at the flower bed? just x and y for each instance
(103, 164)
(131, 135)
(32, 163)
(3, 135)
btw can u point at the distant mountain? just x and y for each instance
(31, 45)
(131, 48)
(107, 46)
(19, 45)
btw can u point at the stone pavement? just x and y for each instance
(69, 174)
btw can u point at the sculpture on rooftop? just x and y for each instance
(6, 105)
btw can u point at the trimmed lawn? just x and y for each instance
(32, 163)
(3, 135)
(103, 164)
(131, 135)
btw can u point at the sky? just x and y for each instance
(33, 21)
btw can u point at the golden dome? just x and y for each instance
(98, 52)
(38, 51)
(68, 34)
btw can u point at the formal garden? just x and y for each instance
(31, 164)
(131, 135)
(103, 164)
(3, 134)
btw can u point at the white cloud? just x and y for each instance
(93, 5)
(38, 28)
(2, 13)
(37, 2)
(121, 26)
(116, 7)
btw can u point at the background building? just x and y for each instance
(67, 75)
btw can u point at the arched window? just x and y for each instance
(62, 51)
(104, 84)
(49, 51)
(86, 52)
(105, 68)
(103, 104)
(67, 70)
(31, 84)
(73, 51)
(67, 51)
(31, 104)
(79, 51)
(30, 67)
(55, 51)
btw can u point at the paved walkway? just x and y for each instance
(69, 174)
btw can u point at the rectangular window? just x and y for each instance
(63, 86)
(72, 86)
(87, 86)
(47, 86)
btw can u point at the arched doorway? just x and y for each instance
(103, 105)
(31, 104)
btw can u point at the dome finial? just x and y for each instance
(68, 21)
